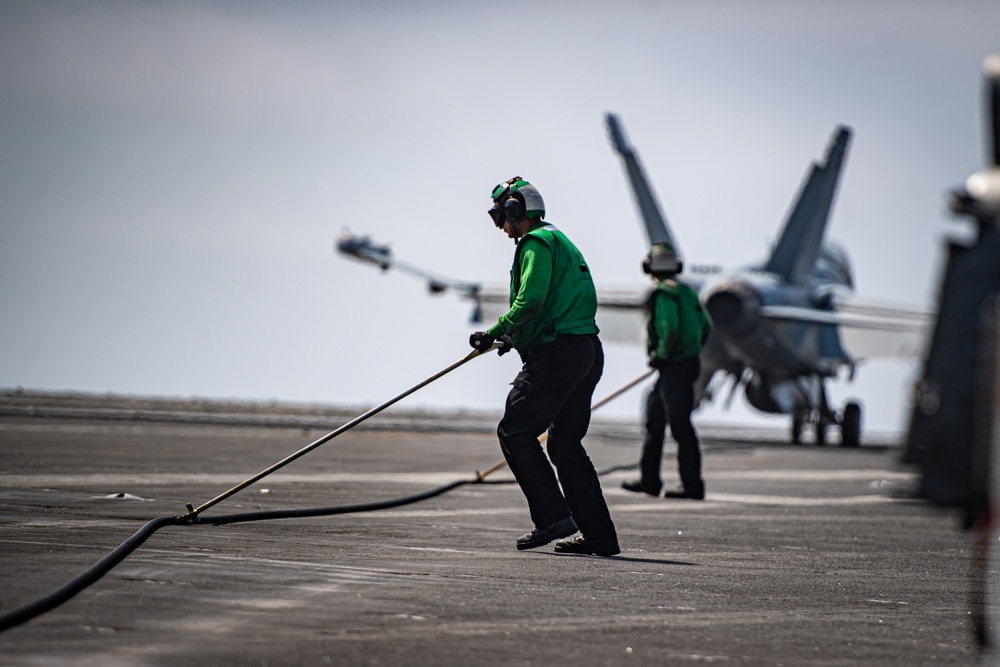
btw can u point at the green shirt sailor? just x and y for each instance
(551, 291)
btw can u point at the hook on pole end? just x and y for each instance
(192, 514)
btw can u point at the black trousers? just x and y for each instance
(672, 400)
(553, 392)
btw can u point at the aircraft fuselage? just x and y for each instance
(780, 361)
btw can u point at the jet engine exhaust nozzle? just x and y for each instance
(734, 307)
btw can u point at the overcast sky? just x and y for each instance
(173, 174)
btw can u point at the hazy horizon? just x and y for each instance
(175, 175)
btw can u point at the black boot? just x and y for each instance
(581, 545)
(553, 531)
(681, 492)
(637, 486)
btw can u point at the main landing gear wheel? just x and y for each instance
(819, 424)
(850, 425)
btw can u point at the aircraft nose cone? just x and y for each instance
(733, 307)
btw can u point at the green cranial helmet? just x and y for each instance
(662, 260)
(514, 200)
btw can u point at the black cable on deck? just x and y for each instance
(71, 588)
(193, 517)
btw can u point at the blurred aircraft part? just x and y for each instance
(945, 409)
(987, 490)
(944, 412)
(870, 330)
(980, 197)
(364, 249)
(954, 430)
(991, 532)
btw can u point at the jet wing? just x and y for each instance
(620, 316)
(364, 249)
(866, 330)
(619, 312)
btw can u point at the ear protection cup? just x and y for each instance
(513, 210)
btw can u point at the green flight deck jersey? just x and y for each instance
(677, 323)
(551, 291)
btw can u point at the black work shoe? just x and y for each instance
(637, 486)
(553, 531)
(581, 545)
(681, 492)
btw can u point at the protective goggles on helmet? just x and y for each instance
(496, 212)
(512, 211)
(501, 195)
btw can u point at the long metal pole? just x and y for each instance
(194, 511)
(615, 394)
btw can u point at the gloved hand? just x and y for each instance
(505, 345)
(481, 341)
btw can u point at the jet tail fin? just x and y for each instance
(654, 224)
(794, 256)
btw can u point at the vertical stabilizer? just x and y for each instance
(653, 221)
(794, 256)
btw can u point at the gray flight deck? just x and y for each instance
(800, 555)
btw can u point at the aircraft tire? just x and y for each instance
(850, 425)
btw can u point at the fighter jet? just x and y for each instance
(780, 325)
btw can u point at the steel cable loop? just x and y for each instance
(70, 589)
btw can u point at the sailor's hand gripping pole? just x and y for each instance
(193, 512)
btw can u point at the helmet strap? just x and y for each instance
(513, 229)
